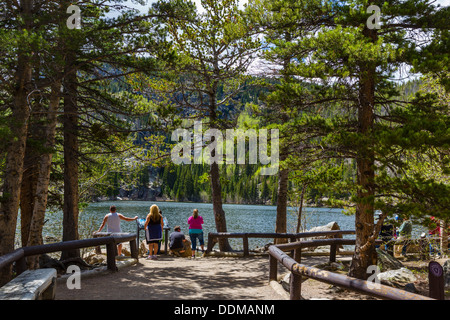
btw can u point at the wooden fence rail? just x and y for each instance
(20, 254)
(277, 255)
(213, 237)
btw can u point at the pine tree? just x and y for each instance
(339, 85)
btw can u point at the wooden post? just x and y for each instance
(166, 239)
(296, 280)
(295, 287)
(210, 243)
(436, 280)
(98, 249)
(134, 249)
(272, 268)
(21, 265)
(111, 251)
(333, 248)
(292, 251)
(298, 255)
(245, 240)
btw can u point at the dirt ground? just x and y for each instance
(172, 278)
(206, 278)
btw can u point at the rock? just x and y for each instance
(446, 267)
(95, 259)
(328, 227)
(143, 248)
(387, 262)
(410, 287)
(126, 252)
(45, 261)
(399, 277)
(263, 249)
(331, 266)
(285, 281)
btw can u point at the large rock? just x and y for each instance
(328, 227)
(333, 225)
(387, 262)
(446, 267)
(95, 259)
(397, 278)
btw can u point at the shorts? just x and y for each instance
(194, 236)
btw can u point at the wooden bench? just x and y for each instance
(31, 285)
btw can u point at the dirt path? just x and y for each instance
(172, 278)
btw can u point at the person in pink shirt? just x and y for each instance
(196, 231)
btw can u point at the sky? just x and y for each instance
(197, 2)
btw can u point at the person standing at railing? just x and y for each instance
(153, 231)
(112, 220)
(196, 231)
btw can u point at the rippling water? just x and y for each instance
(240, 218)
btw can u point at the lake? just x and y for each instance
(240, 218)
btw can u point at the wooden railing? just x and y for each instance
(111, 241)
(277, 255)
(214, 237)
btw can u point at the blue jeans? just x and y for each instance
(194, 236)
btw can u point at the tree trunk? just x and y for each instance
(281, 222)
(283, 175)
(70, 122)
(364, 254)
(15, 149)
(43, 180)
(444, 238)
(36, 132)
(219, 214)
(216, 188)
(300, 208)
(27, 191)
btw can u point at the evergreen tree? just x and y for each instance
(339, 83)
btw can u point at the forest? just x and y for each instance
(91, 93)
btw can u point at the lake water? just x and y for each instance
(240, 218)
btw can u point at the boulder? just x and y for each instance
(332, 266)
(45, 261)
(446, 267)
(410, 287)
(387, 262)
(333, 225)
(143, 248)
(397, 278)
(95, 259)
(328, 227)
(286, 279)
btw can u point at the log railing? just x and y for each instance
(277, 255)
(213, 237)
(111, 241)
